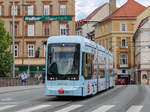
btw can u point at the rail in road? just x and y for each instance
(108, 101)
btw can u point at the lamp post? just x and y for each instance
(13, 37)
(13, 32)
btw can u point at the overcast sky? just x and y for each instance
(85, 7)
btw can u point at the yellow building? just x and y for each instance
(115, 33)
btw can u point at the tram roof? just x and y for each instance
(76, 39)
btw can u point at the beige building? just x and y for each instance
(115, 33)
(142, 51)
(85, 27)
(35, 21)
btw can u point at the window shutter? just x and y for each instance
(2, 10)
(10, 12)
(18, 10)
(34, 9)
(51, 10)
(26, 11)
(26, 30)
(67, 29)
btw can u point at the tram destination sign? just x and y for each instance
(47, 18)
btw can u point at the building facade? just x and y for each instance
(35, 21)
(85, 27)
(142, 52)
(115, 33)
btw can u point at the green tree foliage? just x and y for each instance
(6, 59)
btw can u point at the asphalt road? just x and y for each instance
(129, 98)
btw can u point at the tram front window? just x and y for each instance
(63, 60)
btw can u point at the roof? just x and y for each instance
(130, 10)
(83, 21)
(144, 21)
(95, 11)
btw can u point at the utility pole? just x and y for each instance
(13, 36)
(23, 31)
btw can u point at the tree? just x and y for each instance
(6, 59)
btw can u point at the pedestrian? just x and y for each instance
(22, 77)
(25, 77)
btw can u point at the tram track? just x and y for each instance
(138, 98)
(103, 96)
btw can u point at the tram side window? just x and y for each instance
(87, 65)
(102, 67)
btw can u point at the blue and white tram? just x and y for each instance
(76, 66)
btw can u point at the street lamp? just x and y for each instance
(13, 31)
(13, 37)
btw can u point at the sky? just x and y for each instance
(85, 7)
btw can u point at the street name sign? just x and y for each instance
(47, 18)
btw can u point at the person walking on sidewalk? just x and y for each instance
(24, 78)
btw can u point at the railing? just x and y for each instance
(4, 82)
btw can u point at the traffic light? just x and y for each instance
(37, 53)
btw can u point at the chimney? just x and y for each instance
(112, 6)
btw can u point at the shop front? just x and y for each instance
(32, 71)
(123, 76)
(145, 75)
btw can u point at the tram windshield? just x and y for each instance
(63, 59)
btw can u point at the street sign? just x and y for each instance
(47, 18)
(149, 46)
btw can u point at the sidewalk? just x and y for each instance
(19, 88)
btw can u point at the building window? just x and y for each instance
(123, 43)
(106, 44)
(79, 32)
(102, 30)
(16, 50)
(62, 9)
(63, 29)
(30, 50)
(103, 43)
(123, 60)
(46, 29)
(123, 27)
(109, 44)
(15, 10)
(109, 28)
(16, 28)
(44, 51)
(46, 9)
(106, 28)
(30, 29)
(30, 10)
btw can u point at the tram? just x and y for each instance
(77, 66)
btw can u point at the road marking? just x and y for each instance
(104, 108)
(135, 108)
(34, 108)
(6, 99)
(8, 103)
(6, 107)
(72, 107)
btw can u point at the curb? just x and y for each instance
(22, 89)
